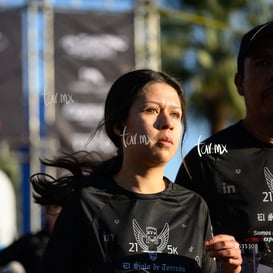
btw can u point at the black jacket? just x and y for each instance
(28, 250)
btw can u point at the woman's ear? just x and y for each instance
(238, 80)
(118, 129)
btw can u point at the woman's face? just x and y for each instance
(153, 128)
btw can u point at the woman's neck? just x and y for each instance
(146, 182)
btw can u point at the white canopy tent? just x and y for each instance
(8, 227)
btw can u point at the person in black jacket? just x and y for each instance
(233, 169)
(28, 250)
(124, 215)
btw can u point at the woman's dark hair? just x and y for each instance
(46, 190)
(117, 106)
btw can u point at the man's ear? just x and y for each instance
(238, 80)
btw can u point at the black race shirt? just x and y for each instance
(105, 228)
(233, 172)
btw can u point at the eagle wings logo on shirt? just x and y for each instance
(150, 241)
(268, 178)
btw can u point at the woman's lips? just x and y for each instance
(165, 141)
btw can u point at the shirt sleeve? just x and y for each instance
(209, 263)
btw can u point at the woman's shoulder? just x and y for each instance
(100, 185)
(186, 195)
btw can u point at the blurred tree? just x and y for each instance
(200, 40)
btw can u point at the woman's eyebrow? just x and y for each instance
(160, 103)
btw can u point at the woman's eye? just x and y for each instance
(152, 110)
(176, 115)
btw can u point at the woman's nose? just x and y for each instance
(165, 121)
